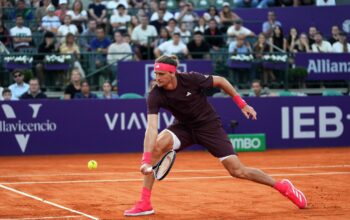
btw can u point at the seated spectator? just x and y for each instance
(85, 91)
(341, 46)
(112, 4)
(292, 40)
(160, 22)
(3, 5)
(260, 49)
(186, 14)
(239, 46)
(238, 29)
(69, 46)
(88, 35)
(202, 25)
(98, 12)
(79, 15)
(19, 87)
(164, 36)
(6, 95)
(34, 91)
(67, 27)
(212, 13)
(4, 35)
(320, 45)
(74, 85)
(41, 11)
(100, 45)
(172, 26)
(50, 22)
(312, 32)
(140, 37)
(227, 16)
(137, 3)
(116, 50)
(198, 47)
(107, 91)
(335, 34)
(134, 22)
(174, 46)
(167, 15)
(120, 20)
(257, 90)
(21, 9)
(278, 40)
(184, 33)
(62, 11)
(303, 44)
(325, 2)
(269, 25)
(213, 35)
(21, 36)
(246, 3)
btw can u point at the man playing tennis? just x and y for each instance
(196, 123)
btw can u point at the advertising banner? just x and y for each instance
(248, 142)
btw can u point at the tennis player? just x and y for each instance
(196, 123)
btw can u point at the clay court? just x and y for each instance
(61, 187)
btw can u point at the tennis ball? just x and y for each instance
(92, 164)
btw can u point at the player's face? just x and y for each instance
(163, 78)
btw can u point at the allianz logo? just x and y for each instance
(23, 129)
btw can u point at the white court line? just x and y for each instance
(173, 171)
(39, 218)
(167, 179)
(47, 202)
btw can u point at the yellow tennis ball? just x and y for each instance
(92, 164)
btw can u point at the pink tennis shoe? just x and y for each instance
(286, 188)
(141, 208)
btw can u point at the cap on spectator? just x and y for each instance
(225, 4)
(197, 32)
(176, 33)
(62, 2)
(51, 8)
(49, 35)
(120, 5)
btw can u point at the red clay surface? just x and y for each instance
(197, 188)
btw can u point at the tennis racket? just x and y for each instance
(162, 168)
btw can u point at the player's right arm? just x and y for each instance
(149, 143)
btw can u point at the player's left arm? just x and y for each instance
(223, 84)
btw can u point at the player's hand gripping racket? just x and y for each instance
(162, 168)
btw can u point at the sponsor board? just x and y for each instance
(248, 142)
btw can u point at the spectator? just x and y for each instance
(62, 11)
(85, 91)
(325, 2)
(137, 3)
(4, 35)
(34, 91)
(184, 33)
(320, 45)
(240, 46)
(202, 25)
(140, 37)
(213, 35)
(186, 14)
(42, 10)
(174, 46)
(19, 87)
(269, 25)
(292, 40)
(198, 47)
(6, 95)
(100, 45)
(21, 9)
(278, 40)
(164, 36)
(167, 15)
(341, 46)
(107, 91)
(312, 32)
(79, 15)
(88, 35)
(212, 13)
(134, 22)
(120, 20)
(227, 16)
(335, 34)
(3, 13)
(238, 29)
(266, 3)
(50, 22)
(112, 4)
(172, 26)
(303, 44)
(116, 50)
(160, 22)
(98, 12)
(67, 27)
(74, 85)
(246, 3)
(260, 49)
(21, 36)
(257, 90)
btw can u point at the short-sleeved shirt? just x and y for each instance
(187, 102)
(169, 48)
(96, 43)
(71, 90)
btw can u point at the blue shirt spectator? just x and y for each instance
(19, 87)
(85, 91)
(21, 9)
(270, 24)
(239, 46)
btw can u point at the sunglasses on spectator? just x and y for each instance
(17, 75)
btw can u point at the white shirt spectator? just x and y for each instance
(338, 47)
(114, 3)
(142, 35)
(188, 18)
(50, 22)
(324, 47)
(81, 15)
(18, 90)
(185, 36)
(232, 32)
(325, 2)
(20, 32)
(118, 48)
(168, 48)
(207, 17)
(167, 16)
(63, 30)
(116, 18)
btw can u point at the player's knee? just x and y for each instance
(239, 173)
(163, 144)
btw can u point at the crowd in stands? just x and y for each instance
(129, 29)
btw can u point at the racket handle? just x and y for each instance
(149, 170)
